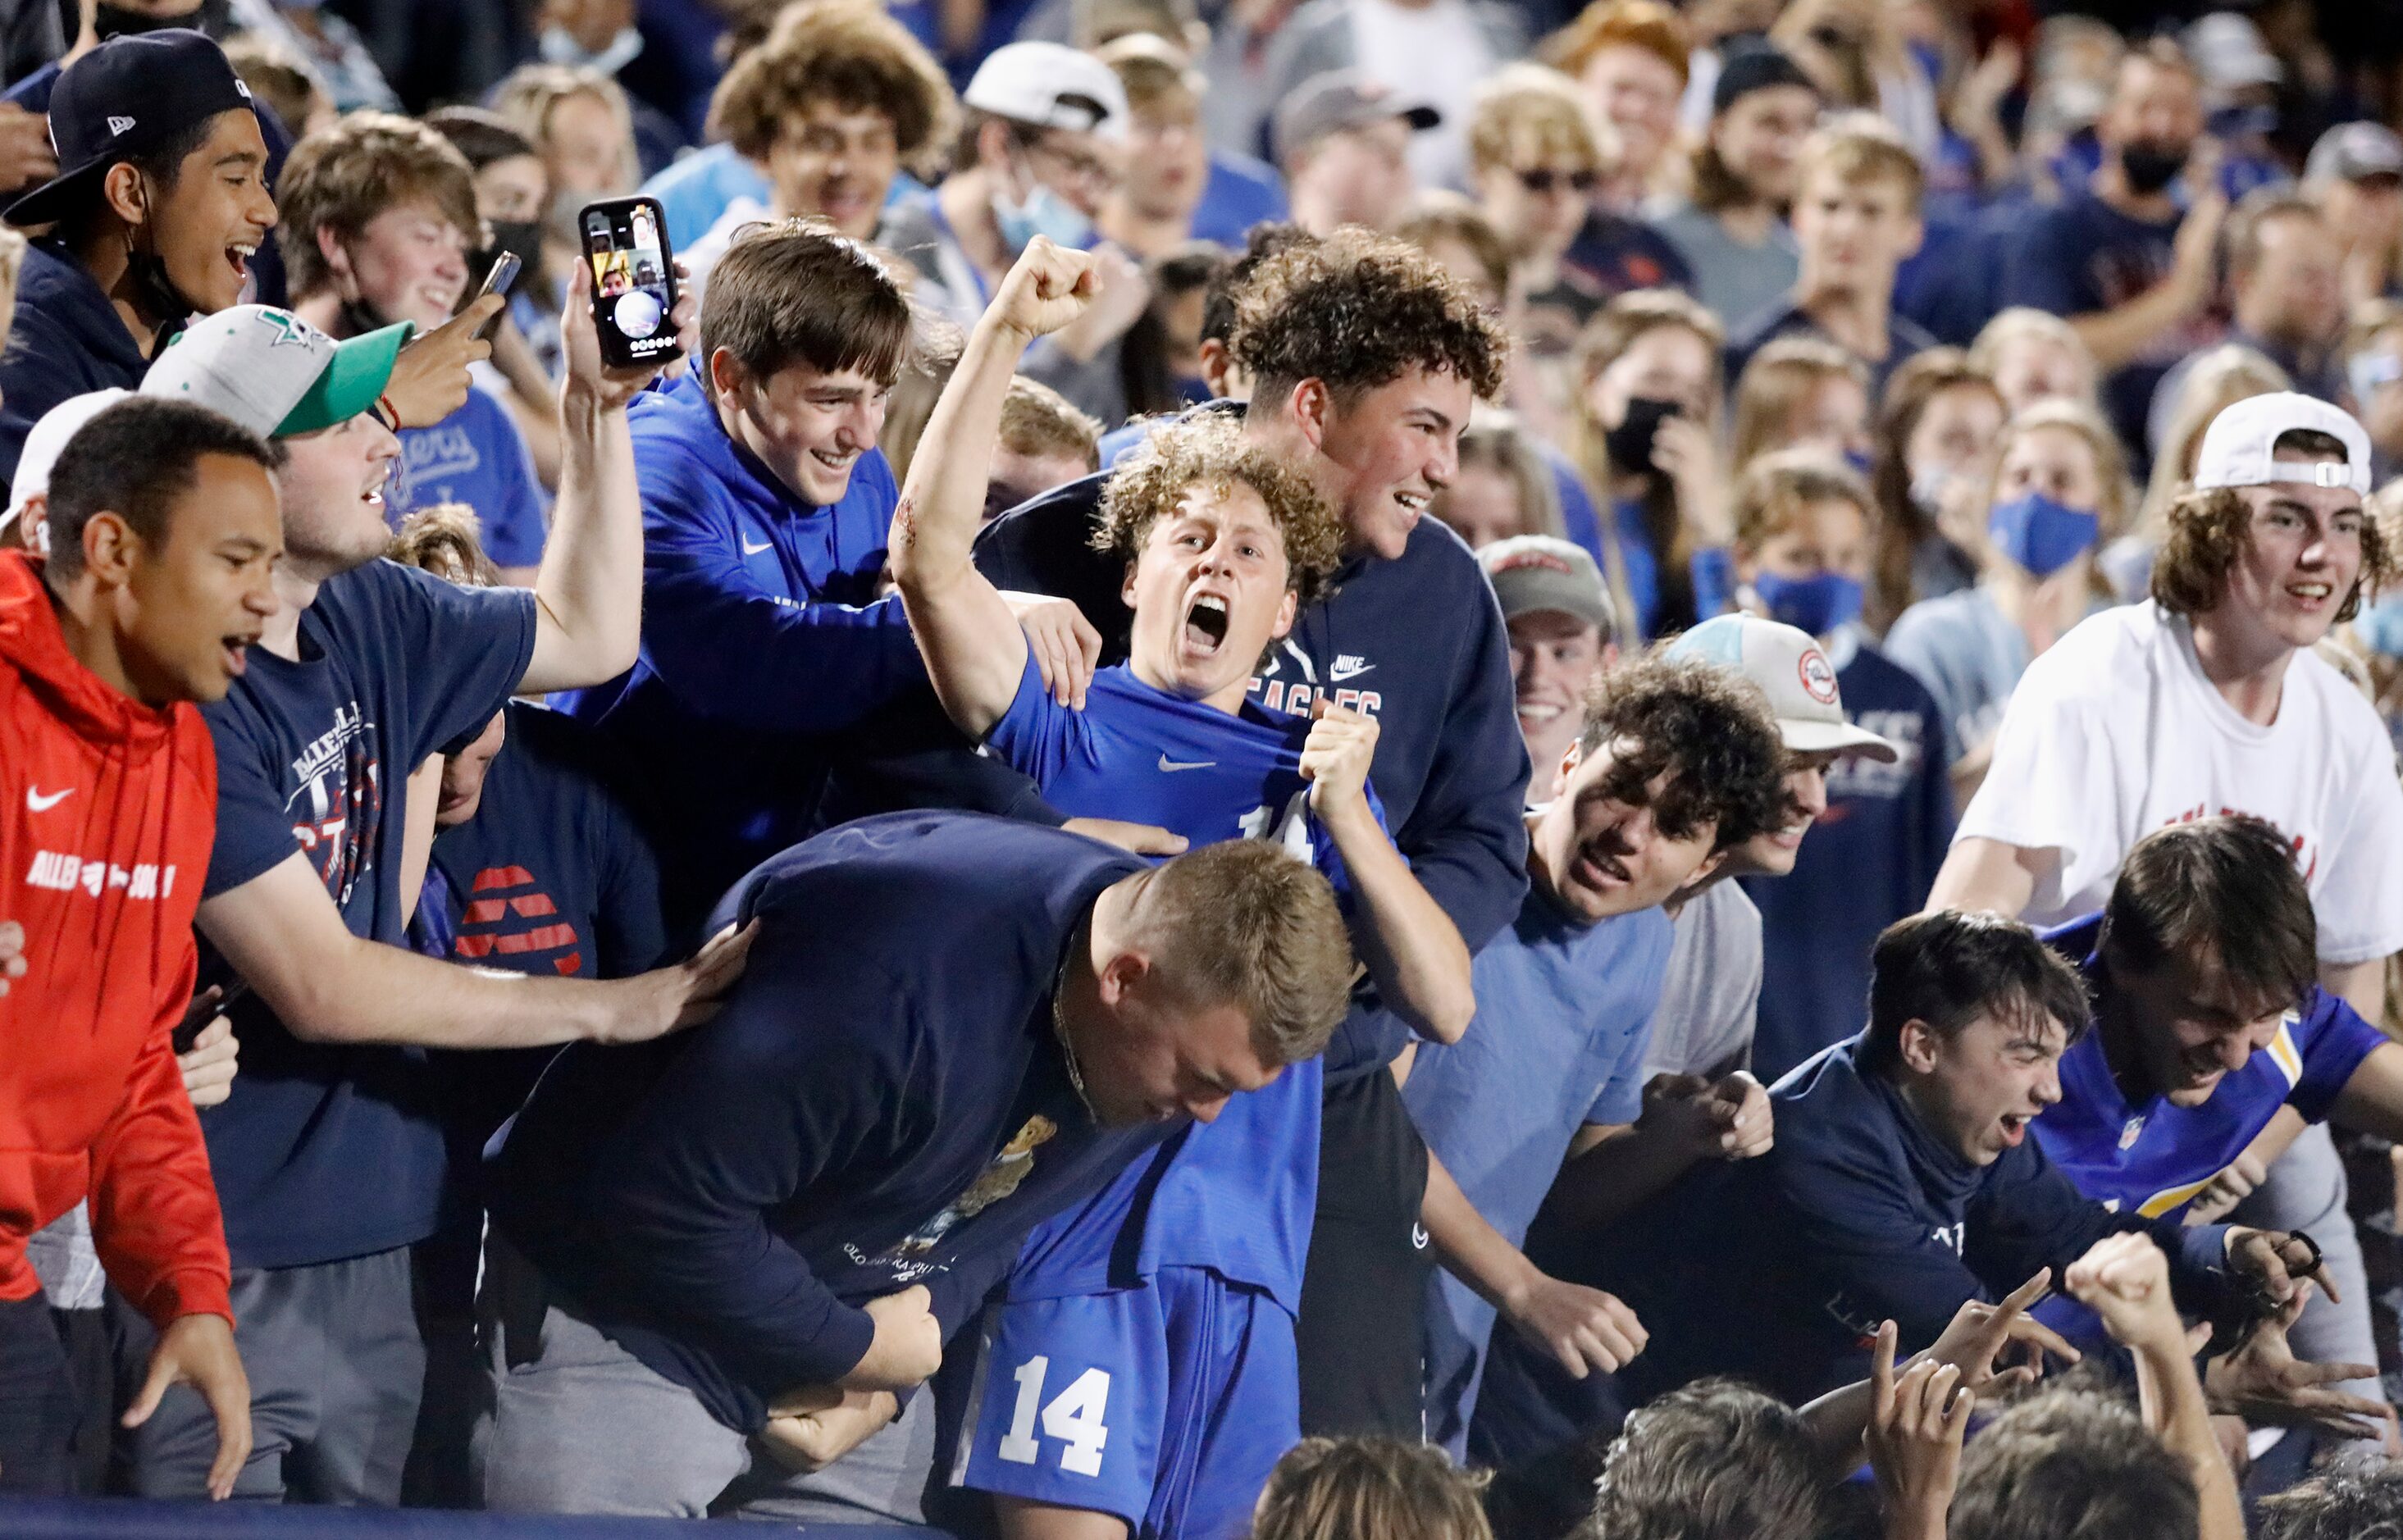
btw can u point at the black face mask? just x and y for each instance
(2149, 166)
(214, 17)
(1631, 443)
(522, 238)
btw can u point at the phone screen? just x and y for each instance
(633, 287)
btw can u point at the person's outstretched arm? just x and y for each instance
(974, 651)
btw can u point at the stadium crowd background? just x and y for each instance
(1294, 787)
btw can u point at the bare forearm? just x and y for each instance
(2174, 1406)
(942, 506)
(1471, 1249)
(1986, 874)
(589, 591)
(378, 993)
(1412, 948)
(2116, 336)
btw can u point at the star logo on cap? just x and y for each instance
(118, 125)
(290, 330)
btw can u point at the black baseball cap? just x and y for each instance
(1756, 66)
(126, 97)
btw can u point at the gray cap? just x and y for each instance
(1340, 99)
(2350, 152)
(1537, 571)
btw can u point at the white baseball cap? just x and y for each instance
(1052, 86)
(2239, 448)
(272, 372)
(1793, 672)
(43, 442)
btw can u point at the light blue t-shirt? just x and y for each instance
(1563, 1014)
(476, 456)
(694, 190)
(1969, 655)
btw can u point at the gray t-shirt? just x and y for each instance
(1712, 994)
(1735, 281)
(1969, 655)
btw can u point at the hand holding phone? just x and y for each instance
(503, 273)
(634, 280)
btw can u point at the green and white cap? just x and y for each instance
(272, 372)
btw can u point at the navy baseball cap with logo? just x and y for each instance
(125, 98)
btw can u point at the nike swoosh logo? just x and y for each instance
(37, 802)
(750, 549)
(1168, 764)
(1336, 676)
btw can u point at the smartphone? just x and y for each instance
(634, 280)
(503, 273)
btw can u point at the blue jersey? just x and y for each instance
(2151, 1159)
(1235, 1196)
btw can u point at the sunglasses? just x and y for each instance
(1543, 181)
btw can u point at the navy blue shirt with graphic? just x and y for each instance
(312, 758)
(1868, 861)
(882, 1102)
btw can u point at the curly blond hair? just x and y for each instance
(1210, 452)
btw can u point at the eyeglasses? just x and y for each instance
(1543, 180)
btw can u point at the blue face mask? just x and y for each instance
(2041, 535)
(1859, 461)
(1817, 603)
(559, 45)
(2380, 626)
(1044, 212)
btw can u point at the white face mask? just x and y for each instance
(559, 47)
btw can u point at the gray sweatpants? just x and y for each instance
(337, 1364)
(578, 1424)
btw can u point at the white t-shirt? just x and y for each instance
(2116, 732)
(1433, 55)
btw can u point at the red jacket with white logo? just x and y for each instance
(108, 810)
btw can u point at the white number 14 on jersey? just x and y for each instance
(1073, 1417)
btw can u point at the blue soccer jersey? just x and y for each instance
(2152, 1157)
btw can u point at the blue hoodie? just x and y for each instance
(66, 338)
(880, 1102)
(762, 635)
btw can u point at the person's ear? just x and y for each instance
(1916, 1046)
(1313, 405)
(1711, 863)
(1214, 364)
(110, 548)
(122, 190)
(992, 145)
(336, 256)
(1915, 239)
(727, 378)
(1287, 610)
(1569, 762)
(1126, 587)
(1120, 977)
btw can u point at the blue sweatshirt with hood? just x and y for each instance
(762, 636)
(66, 338)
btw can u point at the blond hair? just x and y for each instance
(2214, 381)
(1038, 421)
(1862, 147)
(1210, 450)
(2024, 323)
(529, 94)
(1778, 487)
(1773, 383)
(2118, 499)
(1242, 923)
(446, 539)
(1524, 105)
(1370, 1488)
(1618, 326)
(354, 168)
(1494, 440)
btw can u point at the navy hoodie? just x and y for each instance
(1778, 1269)
(762, 635)
(722, 1202)
(1416, 642)
(66, 338)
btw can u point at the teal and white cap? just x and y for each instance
(1794, 671)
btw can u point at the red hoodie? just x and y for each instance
(108, 810)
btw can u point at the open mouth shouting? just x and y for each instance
(1205, 626)
(238, 257)
(2015, 1127)
(234, 652)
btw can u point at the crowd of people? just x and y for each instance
(1358, 770)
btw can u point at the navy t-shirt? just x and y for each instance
(1868, 861)
(329, 1150)
(478, 456)
(2083, 255)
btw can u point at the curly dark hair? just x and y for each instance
(848, 52)
(1358, 311)
(1707, 728)
(1209, 449)
(2208, 530)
